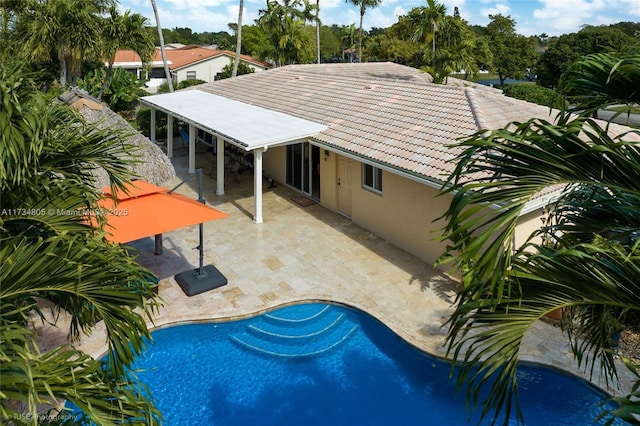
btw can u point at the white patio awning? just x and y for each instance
(244, 125)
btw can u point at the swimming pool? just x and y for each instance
(319, 364)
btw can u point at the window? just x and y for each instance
(372, 178)
(191, 75)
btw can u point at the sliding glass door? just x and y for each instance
(303, 168)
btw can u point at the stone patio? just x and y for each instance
(307, 254)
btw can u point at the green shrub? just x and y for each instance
(164, 87)
(143, 122)
(243, 68)
(122, 92)
(188, 83)
(536, 94)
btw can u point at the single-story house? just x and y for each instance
(370, 141)
(185, 63)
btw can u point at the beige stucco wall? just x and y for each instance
(403, 214)
(274, 163)
(207, 70)
(526, 225)
(328, 180)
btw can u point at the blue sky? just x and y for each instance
(553, 17)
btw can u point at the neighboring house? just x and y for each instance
(185, 63)
(381, 147)
(174, 46)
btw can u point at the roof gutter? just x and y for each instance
(433, 183)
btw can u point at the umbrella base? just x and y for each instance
(193, 283)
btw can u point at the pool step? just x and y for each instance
(297, 333)
(307, 315)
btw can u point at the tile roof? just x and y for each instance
(188, 55)
(386, 113)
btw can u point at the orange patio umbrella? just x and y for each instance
(145, 210)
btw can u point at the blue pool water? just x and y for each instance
(317, 364)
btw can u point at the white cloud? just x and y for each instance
(381, 17)
(192, 4)
(200, 19)
(330, 4)
(554, 17)
(498, 8)
(568, 15)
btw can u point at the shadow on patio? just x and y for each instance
(298, 253)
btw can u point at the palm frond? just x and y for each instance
(579, 268)
(90, 280)
(65, 373)
(600, 80)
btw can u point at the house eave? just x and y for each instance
(426, 180)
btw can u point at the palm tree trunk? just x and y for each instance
(318, 29)
(164, 55)
(236, 61)
(435, 27)
(360, 34)
(105, 83)
(62, 65)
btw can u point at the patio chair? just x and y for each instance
(249, 160)
(232, 168)
(184, 135)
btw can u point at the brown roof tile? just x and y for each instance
(385, 112)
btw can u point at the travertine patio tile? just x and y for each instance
(300, 254)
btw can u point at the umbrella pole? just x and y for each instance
(203, 278)
(201, 226)
(200, 247)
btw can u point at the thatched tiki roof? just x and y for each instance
(153, 165)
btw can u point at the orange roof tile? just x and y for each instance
(187, 55)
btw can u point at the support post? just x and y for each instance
(158, 243)
(152, 130)
(220, 166)
(169, 135)
(192, 149)
(257, 185)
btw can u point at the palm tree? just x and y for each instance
(458, 46)
(284, 23)
(429, 19)
(167, 73)
(293, 40)
(236, 60)
(271, 20)
(348, 38)
(70, 28)
(127, 31)
(584, 260)
(364, 5)
(50, 254)
(10, 10)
